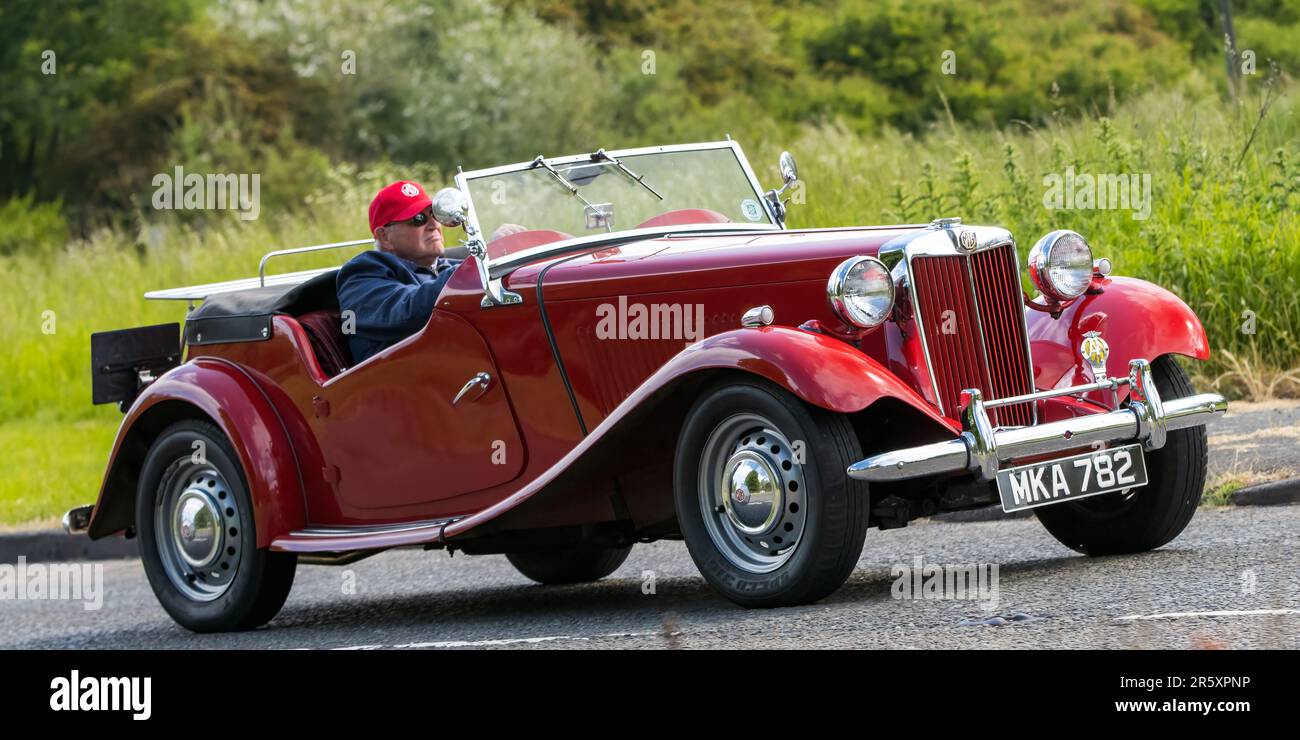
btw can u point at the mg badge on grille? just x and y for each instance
(966, 240)
(1095, 351)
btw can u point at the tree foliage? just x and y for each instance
(292, 88)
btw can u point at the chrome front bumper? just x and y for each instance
(981, 449)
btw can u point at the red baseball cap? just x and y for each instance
(397, 202)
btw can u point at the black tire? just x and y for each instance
(822, 540)
(561, 566)
(256, 589)
(1113, 524)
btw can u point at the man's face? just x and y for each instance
(420, 244)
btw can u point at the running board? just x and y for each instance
(348, 539)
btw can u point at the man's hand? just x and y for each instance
(506, 230)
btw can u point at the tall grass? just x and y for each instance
(1223, 233)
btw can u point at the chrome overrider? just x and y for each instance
(77, 521)
(982, 449)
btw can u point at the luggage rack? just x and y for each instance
(194, 293)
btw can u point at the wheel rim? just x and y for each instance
(752, 494)
(198, 530)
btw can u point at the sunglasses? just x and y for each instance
(419, 219)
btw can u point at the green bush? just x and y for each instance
(1271, 41)
(994, 62)
(30, 227)
(62, 65)
(460, 82)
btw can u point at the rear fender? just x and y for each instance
(218, 391)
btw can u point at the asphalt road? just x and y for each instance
(1229, 560)
(1242, 560)
(1262, 438)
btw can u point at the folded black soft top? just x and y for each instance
(316, 293)
(245, 315)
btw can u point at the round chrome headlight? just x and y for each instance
(861, 292)
(1060, 265)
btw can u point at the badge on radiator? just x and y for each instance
(967, 241)
(1095, 351)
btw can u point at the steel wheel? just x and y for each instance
(751, 492)
(764, 528)
(200, 530)
(198, 533)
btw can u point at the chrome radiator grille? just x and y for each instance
(972, 318)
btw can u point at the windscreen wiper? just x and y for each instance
(602, 214)
(573, 189)
(640, 179)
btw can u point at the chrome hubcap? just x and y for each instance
(752, 493)
(752, 496)
(198, 530)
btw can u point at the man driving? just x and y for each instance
(391, 290)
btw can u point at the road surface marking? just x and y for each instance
(1224, 613)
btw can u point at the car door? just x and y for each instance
(422, 422)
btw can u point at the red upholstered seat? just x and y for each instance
(520, 240)
(327, 340)
(683, 216)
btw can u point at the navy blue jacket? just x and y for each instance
(391, 298)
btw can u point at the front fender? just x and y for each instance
(224, 394)
(1138, 319)
(819, 369)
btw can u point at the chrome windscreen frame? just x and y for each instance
(495, 270)
(492, 272)
(948, 238)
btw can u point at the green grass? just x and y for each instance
(1221, 494)
(1223, 235)
(50, 467)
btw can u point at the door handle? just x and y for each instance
(481, 379)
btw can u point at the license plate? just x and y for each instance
(1070, 478)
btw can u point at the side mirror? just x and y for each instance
(789, 175)
(789, 170)
(450, 207)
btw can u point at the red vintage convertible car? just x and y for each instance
(655, 357)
